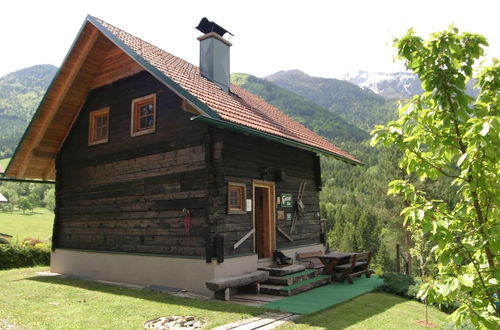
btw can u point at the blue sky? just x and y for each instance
(322, 38)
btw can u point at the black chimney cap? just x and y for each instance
(207, 26)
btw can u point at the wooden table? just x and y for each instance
(333, 259)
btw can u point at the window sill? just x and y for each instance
(93, 143)
(143, 132)
(236, 212)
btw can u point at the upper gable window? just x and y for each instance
(143, 115)
(98, 126)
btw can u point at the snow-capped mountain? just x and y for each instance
(395, 85)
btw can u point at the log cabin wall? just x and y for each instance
(247, 158)
(127, 194)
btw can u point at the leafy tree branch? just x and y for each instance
(442, 131)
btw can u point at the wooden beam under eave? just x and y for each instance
(50, 174)
(186, 106)
(44, 154)
(65, 84)
(69, 110)
(64, 120)
(117, 65)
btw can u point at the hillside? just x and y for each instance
(358, 106)
(20, 94)
(310, 114)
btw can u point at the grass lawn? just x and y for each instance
(371, 311)
(39, 302)
(19, 225)
(4, 162)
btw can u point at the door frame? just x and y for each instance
(271, 228)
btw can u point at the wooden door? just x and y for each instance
(264, 219)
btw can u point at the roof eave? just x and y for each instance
(40, 105)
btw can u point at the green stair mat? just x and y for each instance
(302, 283)
(302, 273)
(325, 296)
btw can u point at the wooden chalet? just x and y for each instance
(165, 173)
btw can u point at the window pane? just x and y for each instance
(233, 199)
(150, 121)
(102, 121)
(102, 132)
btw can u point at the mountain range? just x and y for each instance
(396, 85)
(306, 111)
(359, 106)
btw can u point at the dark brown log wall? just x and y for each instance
(247, 158)
(128, 194)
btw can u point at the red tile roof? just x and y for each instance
(239, 107)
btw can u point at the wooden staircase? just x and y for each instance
(292, 280)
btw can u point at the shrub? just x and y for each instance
(467, 325)
(396, 283)
(30, 241)
(408, 287)
(17, 256)
(413, 290)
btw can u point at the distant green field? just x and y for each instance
(4, 162)
(19, 225)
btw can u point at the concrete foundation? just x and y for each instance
(183, 273)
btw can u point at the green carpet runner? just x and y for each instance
(323, 297)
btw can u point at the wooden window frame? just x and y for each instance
(93, 115)
(135, 130)
(242, 189)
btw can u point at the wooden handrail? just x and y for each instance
(244, 238)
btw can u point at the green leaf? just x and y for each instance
(426, 227)
(461, 159)
(466, 280)
(486, 128)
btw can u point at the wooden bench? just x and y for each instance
(222, 286)
(358, 264)
(310, 259)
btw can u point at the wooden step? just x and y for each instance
(292, 278)
(296, 288)
(283, 270)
